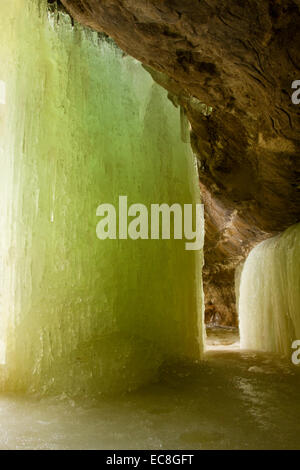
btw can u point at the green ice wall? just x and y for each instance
(269, 294)
(81, 125)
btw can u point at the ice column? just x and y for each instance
(269, 294)
(82, 124)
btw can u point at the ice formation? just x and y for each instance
(269, 294)
(80, 125)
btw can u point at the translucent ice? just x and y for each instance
(80, 125)
(269, 294)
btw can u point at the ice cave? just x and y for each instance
(117, 338)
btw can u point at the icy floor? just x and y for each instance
(234, 400)
(222, 338)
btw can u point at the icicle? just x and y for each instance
(185, 126)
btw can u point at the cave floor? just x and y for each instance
(222, 338)
(233, 400)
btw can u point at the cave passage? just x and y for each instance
(81, 319)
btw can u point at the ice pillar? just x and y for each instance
(81, 125)
(269, 294)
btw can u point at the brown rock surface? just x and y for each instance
(238, 57)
